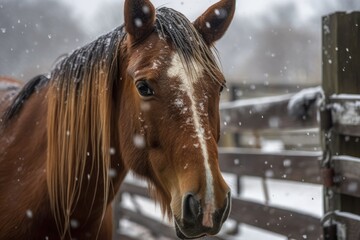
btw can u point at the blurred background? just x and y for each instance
(269, 42)
(271, 51)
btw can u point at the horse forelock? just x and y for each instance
(188, 43)
(79, 120)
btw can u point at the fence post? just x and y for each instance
(341, 75)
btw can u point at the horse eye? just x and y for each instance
(144, 89)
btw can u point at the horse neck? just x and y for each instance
(23, 162)
(24, 135)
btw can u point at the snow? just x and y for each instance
(29, 213)
(272, 145)
(345, 96)
(346, 113)
(139, 141)
(138, 22)
(74, 223)
(348, 215)
(262, 102)
(347, 158)
(112, 151)
(6, 85)
(112, 173)
(300, 101)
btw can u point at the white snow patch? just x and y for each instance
(74, 223)
(301, 98)
(29, 213)
(138, 22)
(112, 151)
(261, 103)
(139, 141)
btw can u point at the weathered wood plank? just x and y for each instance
(349, 223)
(124, 237)
(155, 227)
(286, 165)
(345, 111)
(134, 189)
(291, 224)
(263, 113)
(347, 176)
(341, 53)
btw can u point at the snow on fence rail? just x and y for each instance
(345, 112)
(267, 112)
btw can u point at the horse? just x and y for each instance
(142, 98)
(9, 87)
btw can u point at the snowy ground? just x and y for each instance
(306, 198)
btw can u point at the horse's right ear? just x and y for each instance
(139, 18)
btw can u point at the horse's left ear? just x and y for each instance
(139, 18)
(215, 21)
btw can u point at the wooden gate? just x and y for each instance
(340, 125)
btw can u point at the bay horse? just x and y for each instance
(142, 98)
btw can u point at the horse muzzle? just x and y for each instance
(196, 222)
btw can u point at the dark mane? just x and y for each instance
(30, 87)
(97, 54)
(80, 98)
(189, 44)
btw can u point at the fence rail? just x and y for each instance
(345, 112)
(285, 165)
(264, 113)
(294, 225)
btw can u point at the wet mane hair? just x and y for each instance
(79, 124)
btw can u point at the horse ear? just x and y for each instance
(139, 18)
(215, 21)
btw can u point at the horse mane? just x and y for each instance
(32, 86)
(79, 122)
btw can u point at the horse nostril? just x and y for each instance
(191, 209)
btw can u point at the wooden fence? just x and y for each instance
(341, 126)
(337, 167)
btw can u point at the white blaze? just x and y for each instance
(178, 70)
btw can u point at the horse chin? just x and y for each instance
(186, 230)
(181, 235)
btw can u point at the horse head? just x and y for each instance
(169, 111)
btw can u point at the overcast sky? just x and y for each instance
(191, 8)
(266, 36)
